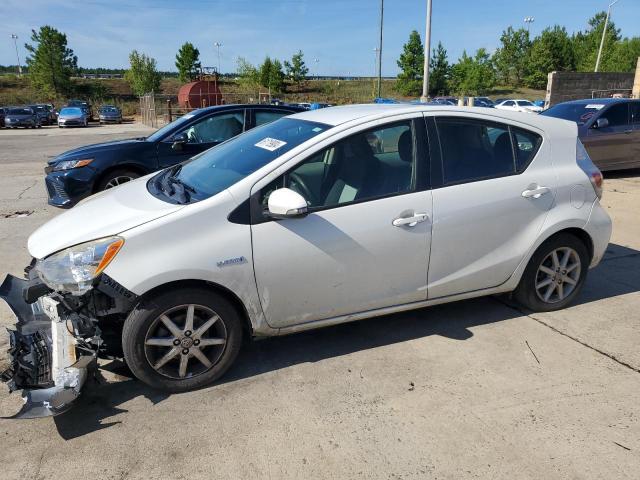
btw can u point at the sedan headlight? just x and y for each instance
(73, 269)
(69, 164)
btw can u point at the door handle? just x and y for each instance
(536, 192)
(410, 221)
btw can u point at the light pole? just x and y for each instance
(529, 21)
(317, 60)
(218, 45)
(380, 50)
(604, 32)
(427, 53)
(375, 61)
(15, 44)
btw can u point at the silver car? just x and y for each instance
(72, 117)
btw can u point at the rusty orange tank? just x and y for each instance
(202, 93)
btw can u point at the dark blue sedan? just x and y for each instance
(78, 173)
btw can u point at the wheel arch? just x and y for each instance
(120, 166)
(214, 287)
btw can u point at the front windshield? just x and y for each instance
(20, 111)
(158, 134)
(71, 111)
(220, 167)
(576, 112)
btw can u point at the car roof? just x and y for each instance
(603, 101)
(233, 106)
(338, 115)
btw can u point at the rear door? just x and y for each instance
(203, 134)
(634, 108)
(492, 190)
(612, 146)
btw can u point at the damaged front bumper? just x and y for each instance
(52, 352)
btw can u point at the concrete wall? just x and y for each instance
(564, 86)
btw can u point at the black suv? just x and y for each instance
(78, 173)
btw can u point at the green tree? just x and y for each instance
(271, 75)
(143, 75)
(296, 71)
(411, 63)
(625, 55)
(551, 51)
(511, 59)
(248, 74)
(439, 71)
(188, 62)
(587, 43)
(51, 63)
(473, 75)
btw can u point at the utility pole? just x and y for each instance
(604, 32)
(218, 45)
(529, 21)
(15, 44)
(427, 54)
(380, 50)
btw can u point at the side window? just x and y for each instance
(265, 116)
(216, 128)
(526, 146)
(635, 113)
(618, 115)
(474, 149)
(510, 103)
(370, 164)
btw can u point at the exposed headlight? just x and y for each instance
(73, 269)
(69, 164)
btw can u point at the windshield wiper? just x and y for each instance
(172, 186)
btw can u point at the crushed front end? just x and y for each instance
(57, 339)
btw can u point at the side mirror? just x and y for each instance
(601, 123)
(285, 203)
(179, 140)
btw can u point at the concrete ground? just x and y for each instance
(475, 389)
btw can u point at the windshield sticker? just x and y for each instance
(270, 144)
(587, 116)
(597, 106)
(316, 129)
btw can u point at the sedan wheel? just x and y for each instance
(119, 180)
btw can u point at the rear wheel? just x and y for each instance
(555, 274)
(182, 339)
(115, 178)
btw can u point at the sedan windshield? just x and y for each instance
(576, 112)
(158, 134)
(220, 167)
(71, 111)
(20, 111)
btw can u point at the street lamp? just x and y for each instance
(218, 45)
(604, 32)
(317, 60)
(427, 52)
(15, 44)
(529, 21)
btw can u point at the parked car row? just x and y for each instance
(77, 113)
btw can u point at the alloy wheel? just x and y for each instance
(119, 180)
(558, 275)
(185, 341)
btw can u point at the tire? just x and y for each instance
(144, 325)
(116, 178)
(557, 286)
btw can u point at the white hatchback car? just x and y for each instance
(319, 218)
(518, 105)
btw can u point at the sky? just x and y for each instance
(337, 37)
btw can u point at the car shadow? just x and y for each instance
(615, 276)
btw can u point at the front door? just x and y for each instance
(201, 135)
(365, 243)
(495, 187)
(611, 147)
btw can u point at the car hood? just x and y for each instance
(108, 213)
(96, 148)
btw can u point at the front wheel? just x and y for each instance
(115, 178)
(555, 274)
(182, 339)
